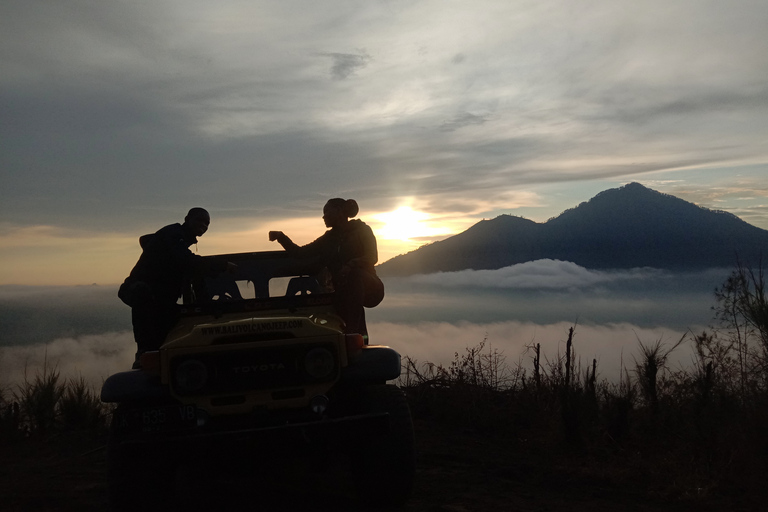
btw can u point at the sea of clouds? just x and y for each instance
(85, 331)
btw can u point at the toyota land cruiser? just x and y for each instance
(257, 361)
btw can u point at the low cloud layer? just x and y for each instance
(92, 357)
(614, 346)
(86, 330)
(547, 292)
(537, 275)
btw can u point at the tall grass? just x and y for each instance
(685, 433)
(45, 405)
(39, 399)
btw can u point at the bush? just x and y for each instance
(44, 406)
(9, 417)
(80, 407)
(39, 401)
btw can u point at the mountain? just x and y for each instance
(627, 227)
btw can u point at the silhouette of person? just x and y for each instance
(165, 267)
(348, 249)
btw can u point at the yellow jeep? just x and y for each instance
(258, 362)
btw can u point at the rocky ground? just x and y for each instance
(457, 471)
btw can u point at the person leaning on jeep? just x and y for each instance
(165, 267)
(348, 249)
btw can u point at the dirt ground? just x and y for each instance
(457, 471)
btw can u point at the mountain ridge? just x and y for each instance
(626, 227)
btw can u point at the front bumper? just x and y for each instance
(328, 432)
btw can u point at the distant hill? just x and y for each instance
(627, 227)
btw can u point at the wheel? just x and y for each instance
(139, 476)
(385, 465)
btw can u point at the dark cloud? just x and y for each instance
(347, 64)
(462, 120)
(634, 105)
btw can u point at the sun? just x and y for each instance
(406, 224)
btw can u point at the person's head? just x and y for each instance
(337, 211)
(197, 221)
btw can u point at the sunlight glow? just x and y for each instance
(406, 224)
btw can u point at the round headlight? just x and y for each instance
(319, 363)
(191, 376)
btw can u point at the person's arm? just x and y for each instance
(282, 239)
(311, 250)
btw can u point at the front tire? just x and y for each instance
(385, 465)
(139, 476)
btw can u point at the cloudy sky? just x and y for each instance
(116, 117)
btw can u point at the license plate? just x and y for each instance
(157, 419)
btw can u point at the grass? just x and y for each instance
(685, 435)
(45, 405)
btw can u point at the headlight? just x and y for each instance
(190, 376)
(319, 363)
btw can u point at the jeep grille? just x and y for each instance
(245, 370)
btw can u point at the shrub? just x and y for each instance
(39, 400)
(742, 316)
(80, 407)
(43, 406)
(651, 367)
(9, 417)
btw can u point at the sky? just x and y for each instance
(117, 117)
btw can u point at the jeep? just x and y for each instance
(258, 368)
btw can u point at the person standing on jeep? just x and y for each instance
(348, 249)
(157, 280)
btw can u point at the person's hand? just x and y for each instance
(274, 235)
